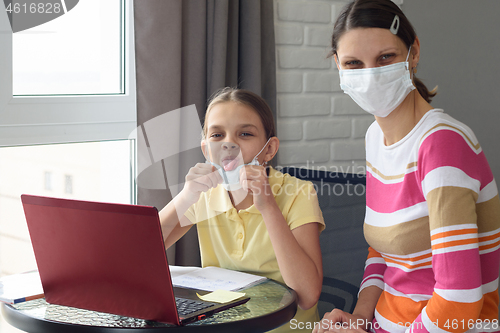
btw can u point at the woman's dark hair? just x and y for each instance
(377, 14)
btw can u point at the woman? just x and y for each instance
(433, 213)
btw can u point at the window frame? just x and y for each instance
(31, 120)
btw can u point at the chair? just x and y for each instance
(342, 200)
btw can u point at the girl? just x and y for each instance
(266, 223)
(433, 213)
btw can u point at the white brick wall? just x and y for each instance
(318, 125)
(304, 11)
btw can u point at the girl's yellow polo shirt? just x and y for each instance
(239, 240)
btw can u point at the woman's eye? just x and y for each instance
(387, 56)
(352, 63)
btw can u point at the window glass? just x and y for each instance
(99, 171)
(80, 52)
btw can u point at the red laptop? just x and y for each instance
(109, 258)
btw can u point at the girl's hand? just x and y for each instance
(339, 321)
(200, 178)
(253, 178)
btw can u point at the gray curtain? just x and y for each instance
(185, 51)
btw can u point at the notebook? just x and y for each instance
(18, 288)
(108, 258)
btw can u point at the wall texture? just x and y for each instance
(460, 53)
(318, 125)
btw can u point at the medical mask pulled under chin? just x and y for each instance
(378, 90)
(230, 169)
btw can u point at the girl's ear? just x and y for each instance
(272, 149)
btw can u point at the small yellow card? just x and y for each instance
(221, 296)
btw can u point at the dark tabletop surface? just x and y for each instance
(271, 304)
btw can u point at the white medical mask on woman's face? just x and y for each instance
(378, 90)
(229, 155)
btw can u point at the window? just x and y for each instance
(60, 139)
(80, 52)
(34, 119)
(98, 171)
(39, 153)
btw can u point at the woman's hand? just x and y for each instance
(253, 178)
(340, 321)
(200, 178)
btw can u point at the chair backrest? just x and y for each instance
(342, 200)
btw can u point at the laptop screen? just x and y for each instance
(103, 257)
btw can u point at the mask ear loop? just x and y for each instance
(407, 64)
(262, 149)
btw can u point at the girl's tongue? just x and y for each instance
(229, 165)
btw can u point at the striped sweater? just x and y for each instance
(433, 226)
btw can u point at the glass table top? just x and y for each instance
(265, 298)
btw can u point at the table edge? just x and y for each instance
(18, 320)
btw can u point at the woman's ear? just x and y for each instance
(415, 52)
(272, 149)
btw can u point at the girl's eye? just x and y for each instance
(216, 135)
(246, 134)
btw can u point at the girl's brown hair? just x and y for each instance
(377, 14)
(247, 98)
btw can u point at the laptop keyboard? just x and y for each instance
(187, 306)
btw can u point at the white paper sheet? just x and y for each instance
(214, 278)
